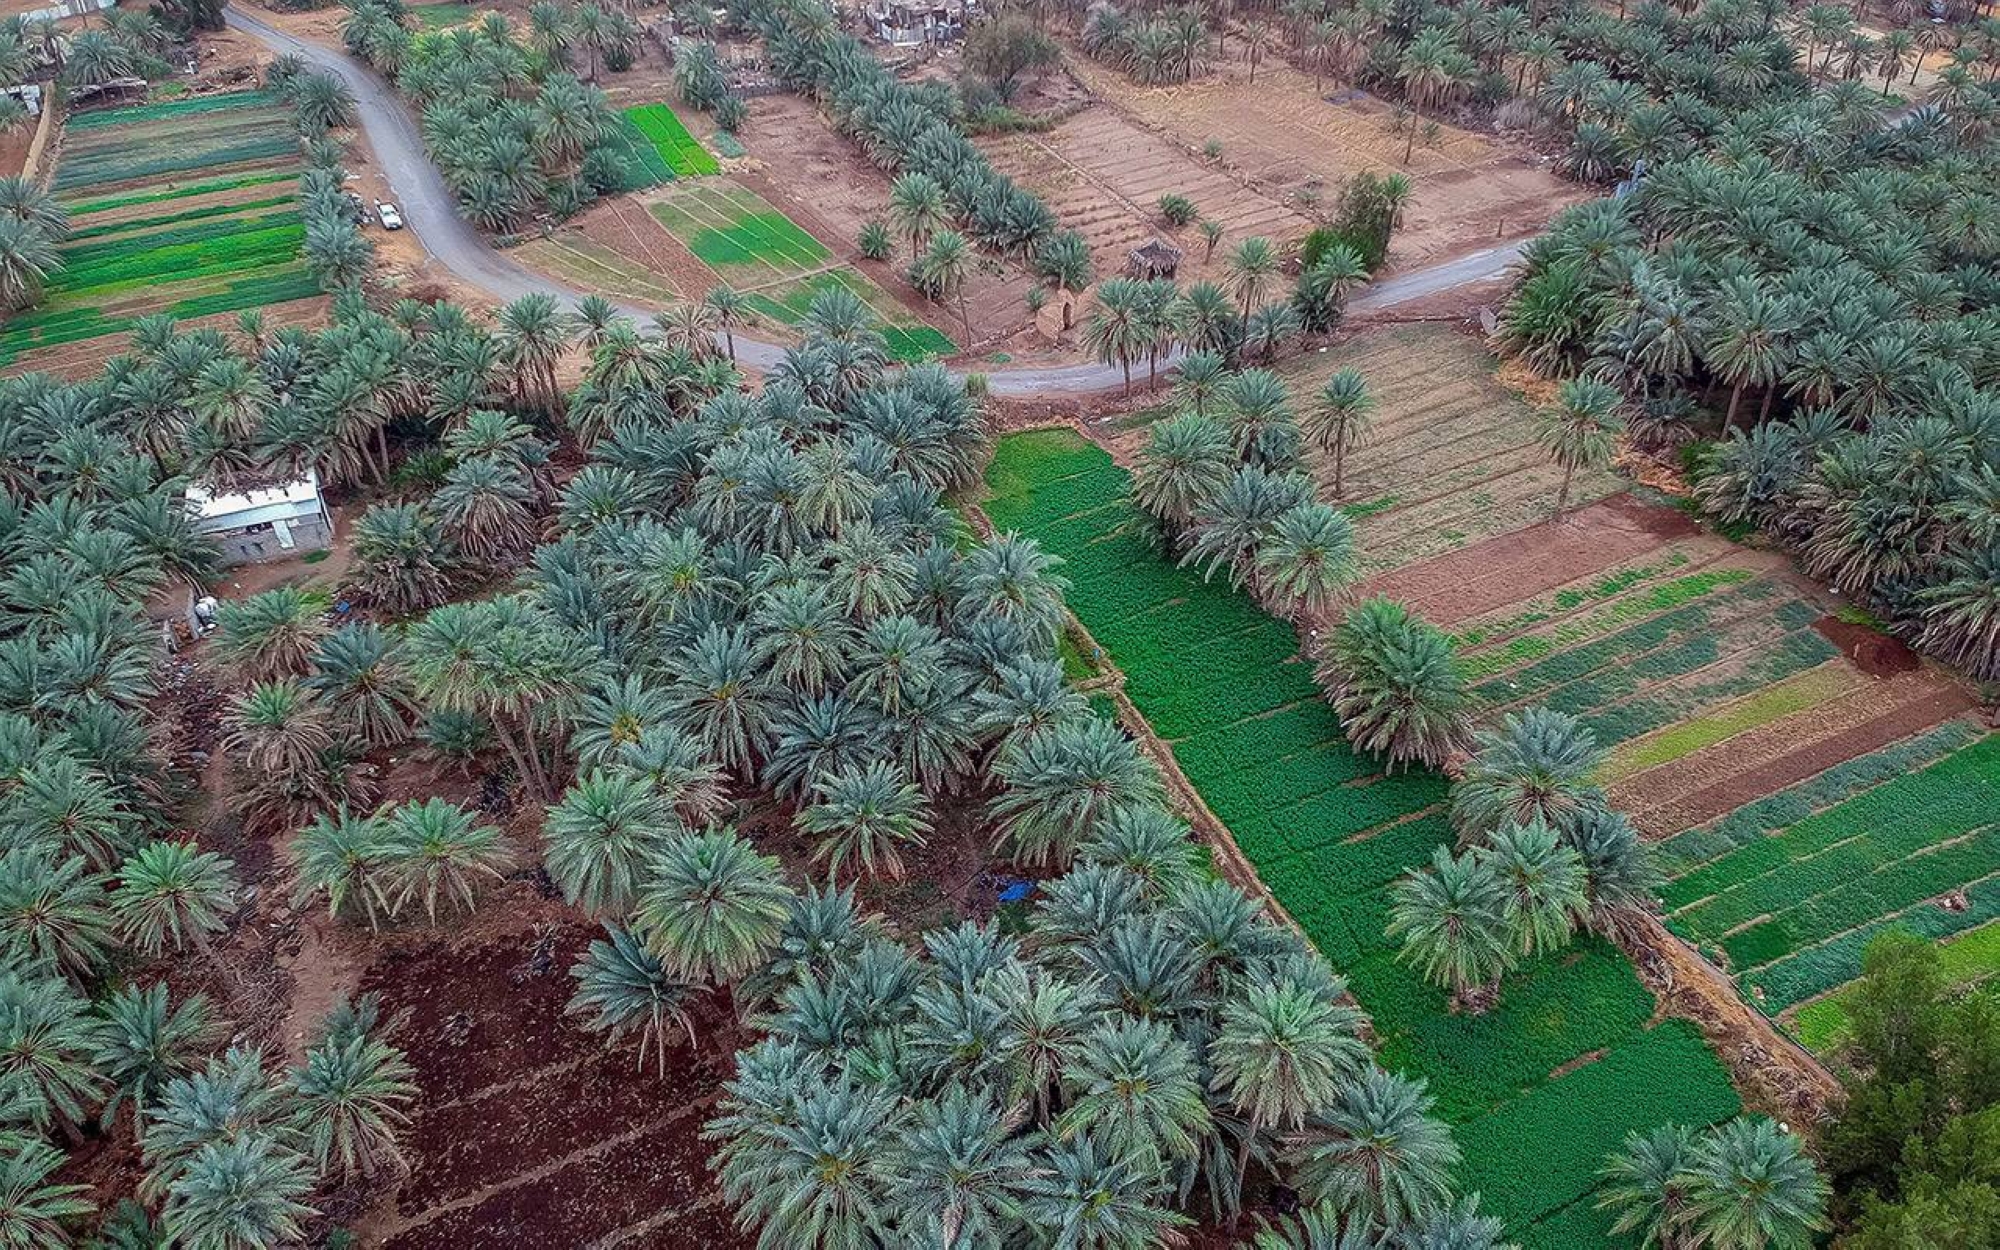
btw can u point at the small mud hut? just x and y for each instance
(1156, 258)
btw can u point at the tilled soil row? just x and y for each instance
(1511, 568)
(1510, 502)
(1719, 779)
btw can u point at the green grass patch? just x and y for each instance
(663, 129)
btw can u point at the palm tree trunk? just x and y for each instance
(729, 337)
(1562, 496)
(1126, 360)
(964, 317)
(1339, 467)
(1735, 398)
(1410, 144)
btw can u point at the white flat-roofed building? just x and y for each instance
(264, 522)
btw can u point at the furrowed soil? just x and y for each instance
(1284, 133)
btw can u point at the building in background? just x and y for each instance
(271, 522)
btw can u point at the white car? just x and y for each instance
(391, 219)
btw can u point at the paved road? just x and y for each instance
(432, 211)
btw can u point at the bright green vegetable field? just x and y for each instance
(1222, 682)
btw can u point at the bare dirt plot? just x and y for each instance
(1451, 457)
(1104, 176)
(1284, 135)
(820, 179)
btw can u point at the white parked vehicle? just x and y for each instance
(391, 219)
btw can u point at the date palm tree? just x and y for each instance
(54, 911)
(1543, 883)
(271, 635)
(946, 265)
(1059, 787)
(712, 908)
(1309, 562)
(532, 333)
(277, 729)
(341, 856)
(917, 208)
(960, 1168)
(865, 815)
(1748, 341)
(243, 1191)
(722, 698)
(350, 1098)
(1452, 921)
(1394, 680)
(35, 1210)
(1536, 766)
(359, 679)
(1093, 1196)
(1186, 462)
(600, 837)
(485, 508)
(731, 310)
(1114, 332)
(1377, 1152)
(1284, 1051)
(1339, 420)
(401, 559)
(436, 849)
(1135, 1087)
(1644, 1185)
(1751, 1185)
(820, 1175)
(622, 987)
(1252, 266)
(146, 1043)
(173, 893)
(24, 199)
(1580, 430)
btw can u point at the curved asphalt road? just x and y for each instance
(432, 213)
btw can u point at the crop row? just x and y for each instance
(1681, 854)
(1542, 1152)
(105, 204)
(664, 132)
(1956, 794)
(1524, 648)
(276, 285)
(270, 245)
(151, 162)
(1566, 600)
(204, 213)
(189, 107)
(1663, 705)
(1973, 959)
(1883, 891)
(1836, 962)
(1774, 703)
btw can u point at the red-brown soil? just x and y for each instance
(1721, 778)
(1517, 566)
(1870, 650)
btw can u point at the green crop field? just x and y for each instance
(667, 136)
(1538, 1089)
(135, 250)
(1971, 961)
(1788, 906)
(778, 265)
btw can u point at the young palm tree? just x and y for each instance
(269, 636)
(1338, 421)
(731, 310)
(1211, 238)
(1251, 268)
(350, 1097)
(245, 1191)
(865, 814)
(1394, 680)
(1544, 885)
(1643, 1187)
(1377, 1153)
(1308, 563)
(34, 1210)
(1283, 1053)
(1536, 767)
(435, 848)
(173, 893)
(1453, 923)
(712, 907)
(1750, 1185)
(340, 856)
(621, 986)
(600, 837)
(145, 1044)
(1580, 431)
